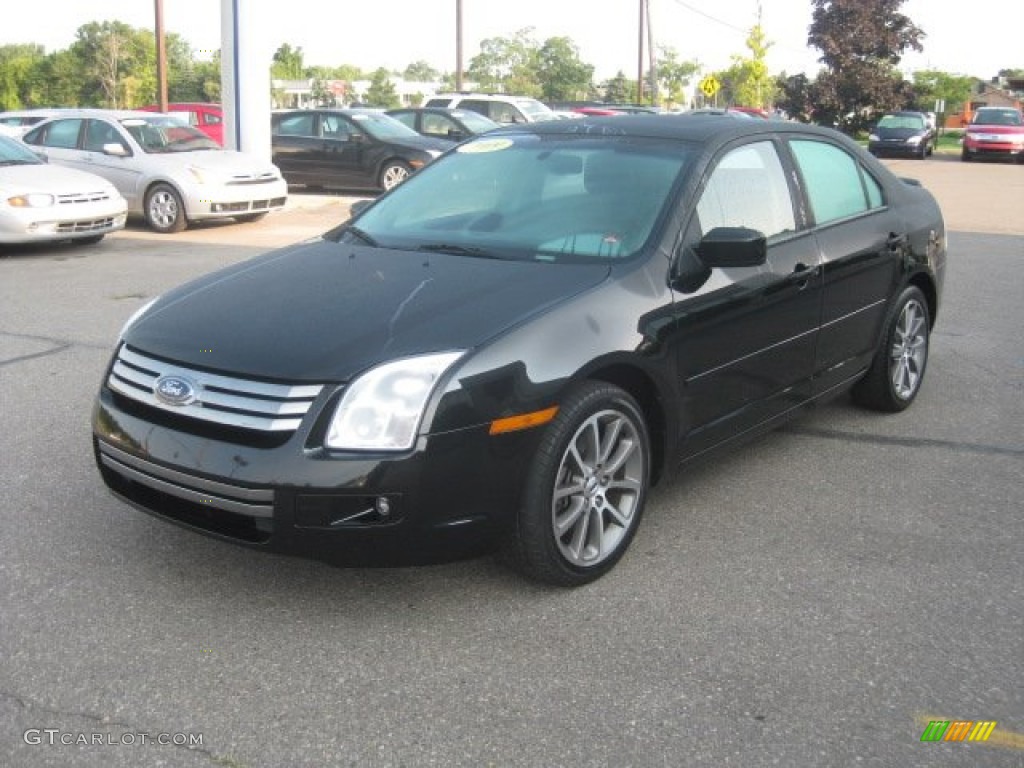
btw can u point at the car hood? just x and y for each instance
(983, 128)
(51, 179)
(223, 161)
(323, 311)
(424, 143)
(898, 133)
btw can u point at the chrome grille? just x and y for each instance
(263, 178)
(83, 197)
(226, 400)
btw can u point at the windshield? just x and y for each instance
(166, 133)
(557, 198)
(535, 110)
(13, 153)
(996, 117)
(383, 127)
(902, 121)
(474, 121)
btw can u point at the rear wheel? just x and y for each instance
(164, 210)
(586, 489)
(896, 373)
(393, 173)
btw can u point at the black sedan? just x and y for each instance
(348, 148)
(907, 134)
(511, 347)
(441, 123)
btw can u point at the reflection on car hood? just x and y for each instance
(226, 161)
(51, 179)
(323, 311)
(422, 142)
(898, 133)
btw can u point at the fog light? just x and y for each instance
(383, 507)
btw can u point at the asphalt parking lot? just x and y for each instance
(814, 598)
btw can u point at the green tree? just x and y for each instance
(752, 86)
(931, 86)
(287, 63)
(861, 42)
(795, 96)
(618, 90)
(507, 64)
(562, 75)
(420, 72)
(17, 66)
(117, 62)
(673, 75)
(381, 92)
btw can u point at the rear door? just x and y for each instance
(861, 242)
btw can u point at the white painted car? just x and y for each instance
(169, 172)
(41, 202)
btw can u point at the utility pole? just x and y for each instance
(161, 58)
(651, 55)
(640, 58)
(458, 45)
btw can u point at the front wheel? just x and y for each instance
(393, 173)
(164, 210)
(586, 489)
(894, 378)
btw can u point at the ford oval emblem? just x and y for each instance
(174, 390)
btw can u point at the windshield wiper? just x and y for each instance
(458, 250)
(362, 235)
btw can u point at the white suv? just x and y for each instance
(499, 107)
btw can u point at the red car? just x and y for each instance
(208, 118)
(994, 132)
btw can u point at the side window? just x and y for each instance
(748, 189)
(438, 125)
(478, 106)
(408, 119)
(295, 125)
(334, 127)
(98, 133)
(63, 134)
(836, 185)
(505, 113)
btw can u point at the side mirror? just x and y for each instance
(733, 247)
(115, 149)
(455, 134)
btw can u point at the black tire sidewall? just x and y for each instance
(537, 551)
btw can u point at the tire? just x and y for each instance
(393, 173)
(965, 156)
(586, 489)
(245, 218)
(897, 371)
(91, 240)
(164, 210)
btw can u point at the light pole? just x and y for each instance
(458, 45)
(161, 58)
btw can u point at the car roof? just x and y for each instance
(113, 114)
(707, 128)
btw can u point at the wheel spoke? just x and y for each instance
(564, 522)
(624, 450)
(611, 437)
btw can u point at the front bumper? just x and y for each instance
(454, 494)
(994, 149)
(37, 225)
(897, 148)
(218, 202)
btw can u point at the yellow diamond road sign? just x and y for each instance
(709, 86)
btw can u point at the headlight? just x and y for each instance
(382, 409)
(872, 137)
(914, 139)
(205, 175)
(135, 317)
(34, 200)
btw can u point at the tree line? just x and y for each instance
(111, 64)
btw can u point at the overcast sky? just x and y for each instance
(394, 33)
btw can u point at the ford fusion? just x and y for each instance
(510, 348)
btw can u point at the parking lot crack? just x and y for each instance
(56, 346)
(910, 442)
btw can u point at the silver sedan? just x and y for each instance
(170, 173)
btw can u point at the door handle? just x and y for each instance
(801, 275)
(896, 242)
